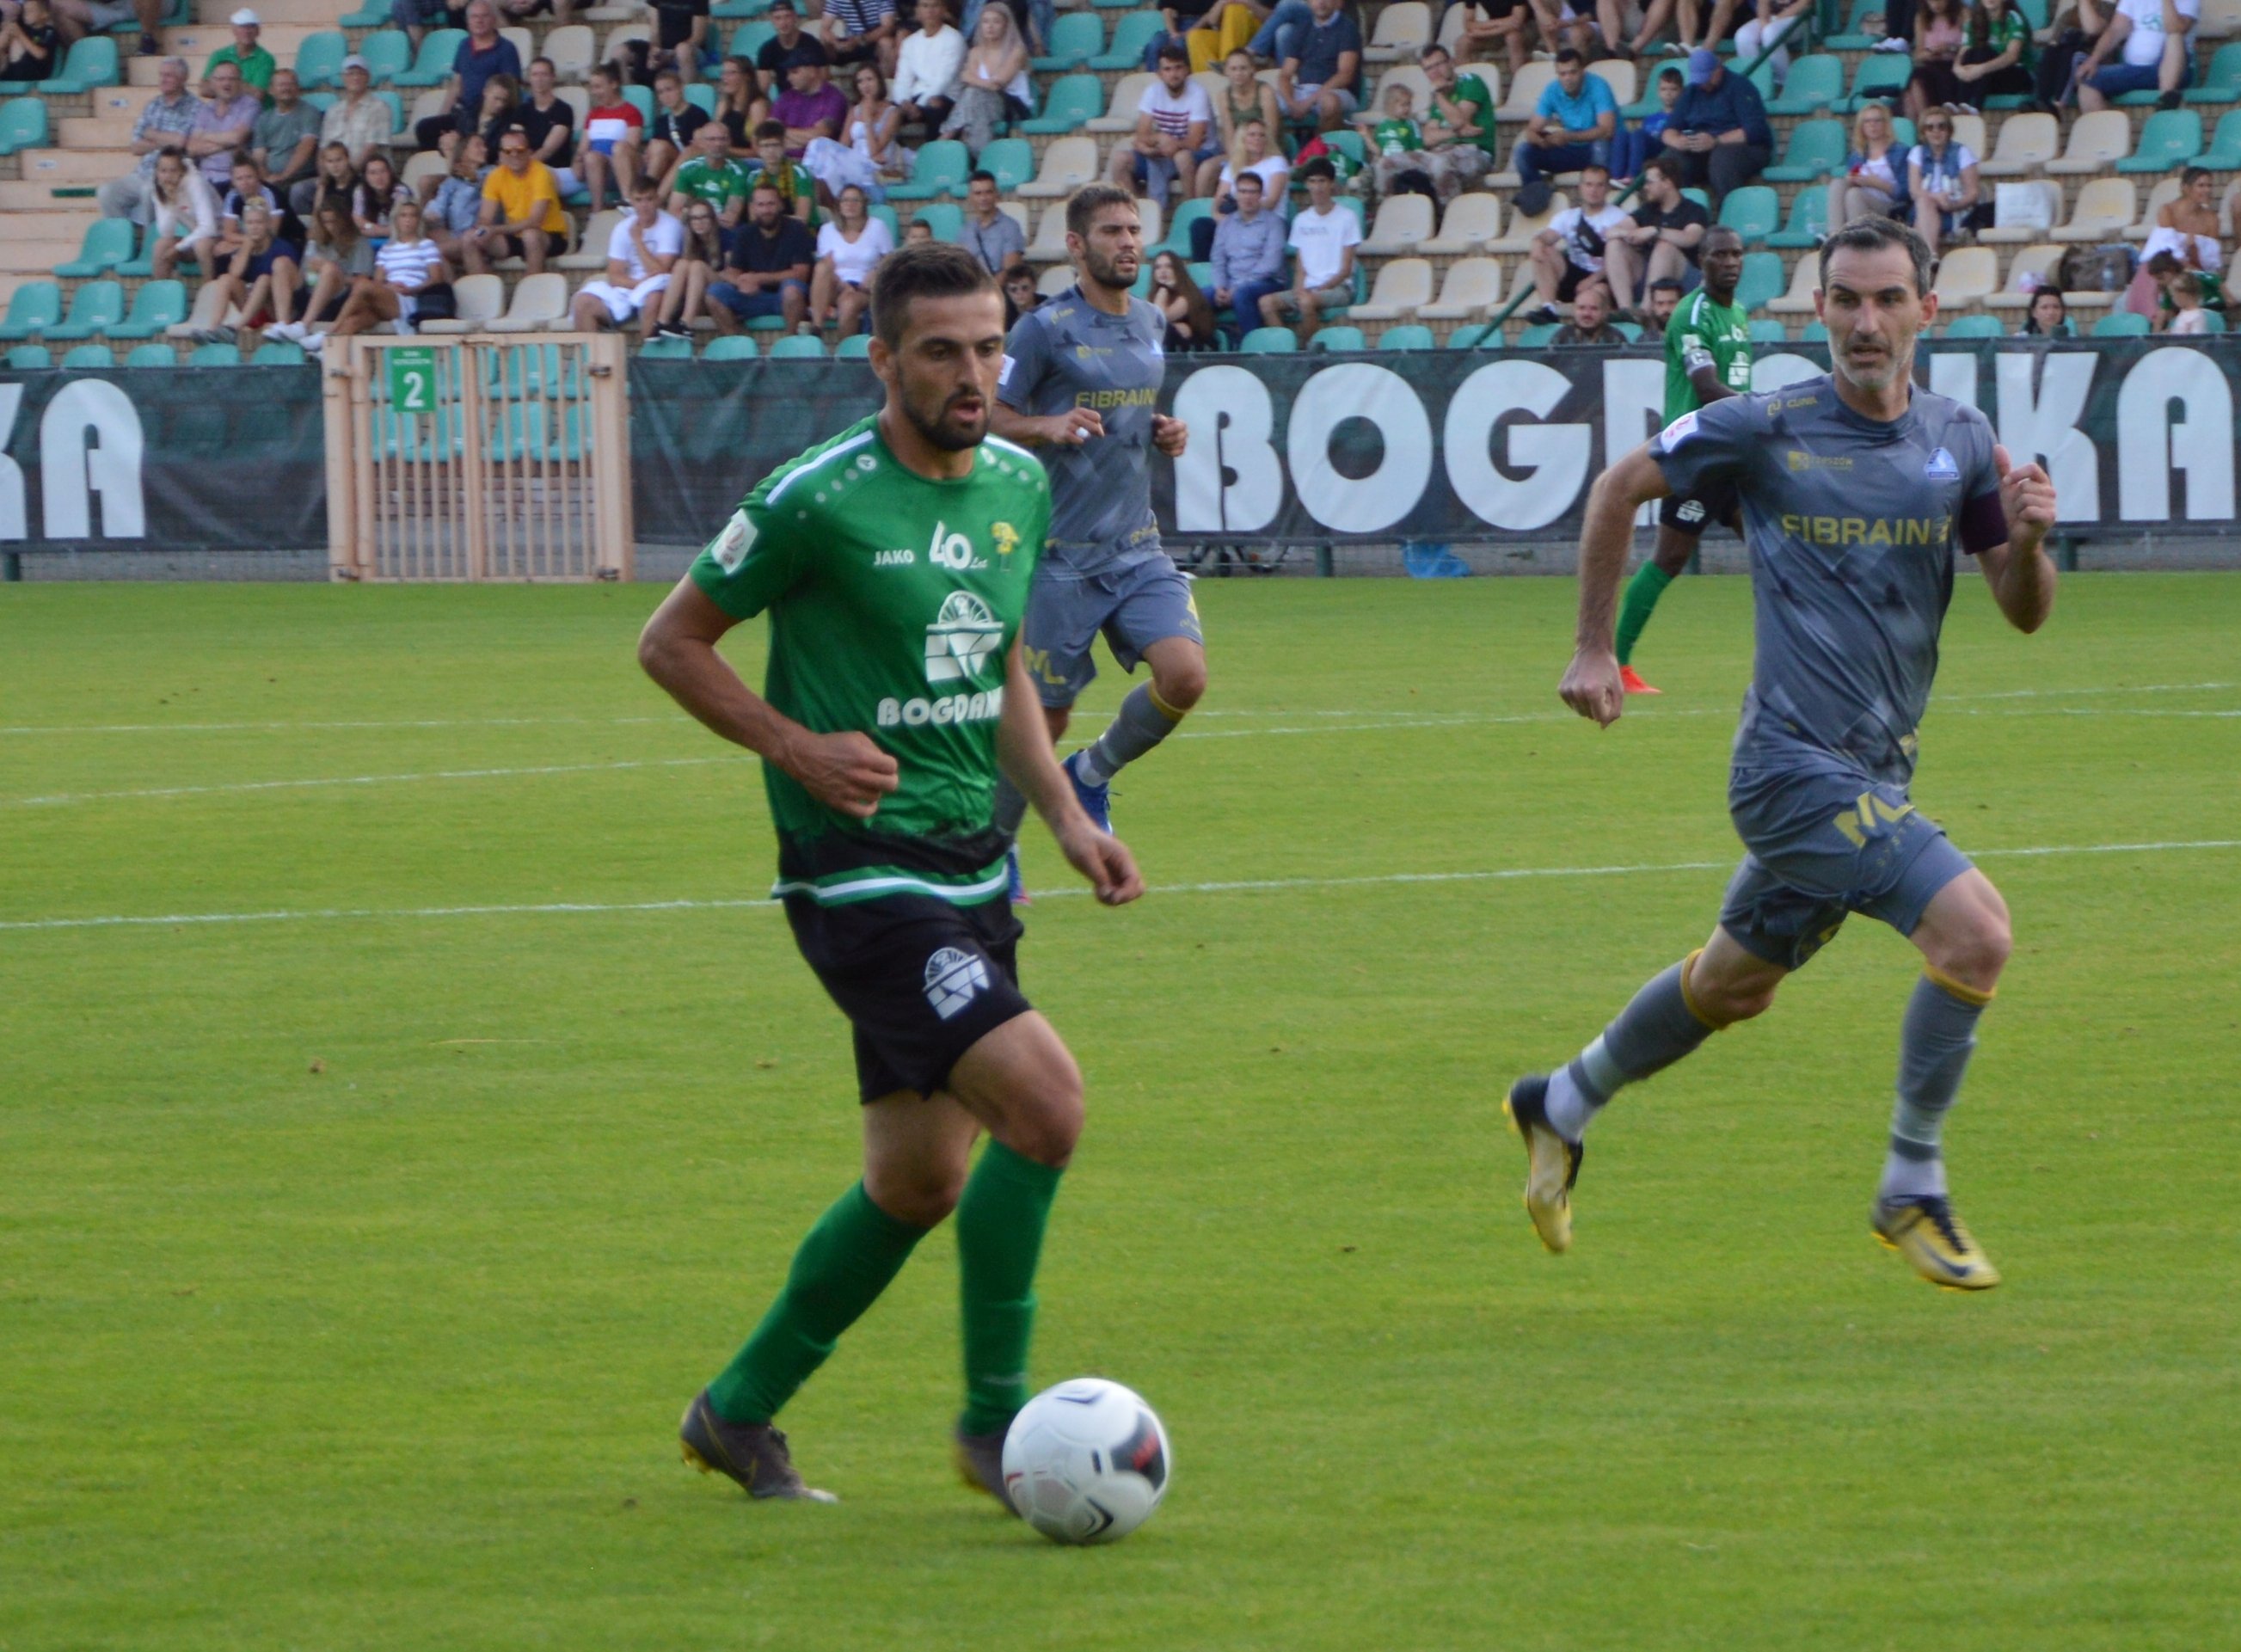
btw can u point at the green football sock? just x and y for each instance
(848, 1259)
(1642, 594)
(1000, 1238)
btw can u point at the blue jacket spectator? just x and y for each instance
(1718, 132)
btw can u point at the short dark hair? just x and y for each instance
(980, 175)
(1569, 55)
(1672, 71)
(1663, 168)
(1435, 50)
(935, 270)
(1724, 231)
(762, 183)
(1666, 284)
(1171, 53)
(1318, 167)
(547, 62)
(1873, 234)
(1248, 176)
(2186, 178)
(771, 128)
(1595, 166)
(1091, 199)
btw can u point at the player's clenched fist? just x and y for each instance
(1591, 686)
(1075, 426)
(1104, 860)
(2027, 497)
(1170, 436)
(846, 771)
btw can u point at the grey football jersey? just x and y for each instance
(1068, 353)
(1851, 525)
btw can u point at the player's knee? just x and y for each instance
(1180, 686)
(1977, 954)
(922, 1195)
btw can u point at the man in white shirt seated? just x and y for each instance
(1568, 254)
(639, 254)
(1174, 132)
(1324, 236)
(925, 70)
(2149, 40)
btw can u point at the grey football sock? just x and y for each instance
(1011, 806)
(1141, 724)
(1654, 1030)
(1934, 1040)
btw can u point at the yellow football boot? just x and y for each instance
(1552, 1164)
(1925, 1231)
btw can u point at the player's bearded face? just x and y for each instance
(1114, 251)
(948, 369)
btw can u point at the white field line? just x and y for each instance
(285, 725)
(359, 779)
(1240, 886)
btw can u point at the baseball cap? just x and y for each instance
(356, 61)
(244, 18)
(1700, 65)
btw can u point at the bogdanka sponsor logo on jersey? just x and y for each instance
(961, 648)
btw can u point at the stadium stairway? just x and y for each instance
(46, 193)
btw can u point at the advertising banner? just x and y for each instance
(1476, 446)
(162, 459)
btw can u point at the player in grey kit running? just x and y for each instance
(1855, 488)
(1081, 385)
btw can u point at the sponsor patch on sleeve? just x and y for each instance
(1677, 432)
(733, 544)
(1004, 373)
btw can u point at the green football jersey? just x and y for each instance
(1395, 136)
(718, 185)
(893, 602)
(1704, 334)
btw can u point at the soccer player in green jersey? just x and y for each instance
(1707, 357)
(896, 561)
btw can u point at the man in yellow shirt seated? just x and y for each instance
(522, 216)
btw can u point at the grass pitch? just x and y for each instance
(359, 1247)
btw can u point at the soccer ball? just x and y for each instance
(1086, 1462)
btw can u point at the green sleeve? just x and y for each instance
(758, 557)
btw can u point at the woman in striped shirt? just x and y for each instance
(408, 271)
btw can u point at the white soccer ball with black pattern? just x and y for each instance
(1086, 1462)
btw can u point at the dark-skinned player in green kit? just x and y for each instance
(1708, 358)
(896, 561)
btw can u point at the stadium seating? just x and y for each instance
(1809, 221)
(2120, 324)
(1402, 221)
(2224, 154)
(1881, 78)
(23, 124)
(854, 347)
(1804, 281)
(1130, 36)
(795, 346)
(1269, 341)
(433, 66)
(1524, 227)
(32, 308)
(1852, 38)
(2169, 140)
(538, 302)
(2106, 207)
(1976, 327)
(1402, 285)
(319, 59)
(85, 355)
(1011, 160)
(667, 349)
(152, 355)
(156, 306)
(1471, 289)
(1816, 148)
(1762, 280)
(94, 308)
(731, 347)
(1816, 83)
(1964, 276)
(2031, 268)
(1403, 29)
(943, 167)
(108, 244)
(214, 355)
(2045, 187)
(1768, 330)
(90, 62)
(1072, 102)
(1407, 337)
(1470, 222)
(1068, 164)
(2026, 142)
(277, 352)
(945, 219)
(2096, 143)
(1753, 211)
(388, 52)
(477, 299)
(1076, 38)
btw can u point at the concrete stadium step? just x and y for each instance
(52, 166)
(196, 41)
(46, 225)
(35, 259)
(87, 132)
(39, 198)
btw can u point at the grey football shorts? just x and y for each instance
(1821, 845)
(1136, 604)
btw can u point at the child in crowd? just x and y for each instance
(1397, 141)
(2189, 319)
(1637, 144)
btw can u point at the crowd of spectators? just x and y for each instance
(752, 198)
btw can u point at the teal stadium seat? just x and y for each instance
(1767, 330)
(667, 349)
(2225, 154)
(943, 166)
(23, 124)
(433, 66)
(1881, 77)
(372, 17)
(1351, 143)
(1816, 148)
(1073, 103)
(1855, 37)
(152, 355)
(1466, 337)
(108, 242)
(1111, 5)
(319, 59)
(1076, 38)
(702, 97)
(796, 347)
(1764, 280)
(1181, 216)
(1809, 220)
(1269, 341)
(1976, 327)
(32, 308)
(731, 347)
(156, 306)
(1011, 159)
(944, 218)
(1816, 83)
(279, 353)
(2121, 324)
(388, 53)
(854, 347)
(749, 38)
(395, 111)
(94, 307)
(91, 63)
(729, 10)
(1130, 36)
(1342, 339)
(1409, 336)
(2170, 139)
(1538, 338)
(641, 99)
(214, 355)
(886, 215)
(2221, 82)
(2213, 321)
(28, 359)
(77, 360)
(1753, 211)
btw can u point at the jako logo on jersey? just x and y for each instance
(1677, 432)
(734, 542)
(893, 558)
(953, 979)
(961, 640)
(1940, 467)
(950, 550)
